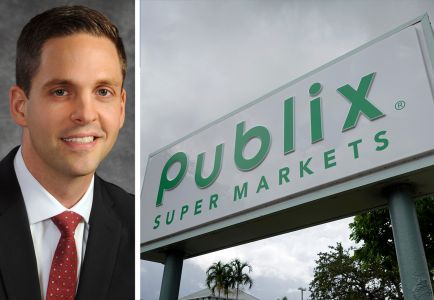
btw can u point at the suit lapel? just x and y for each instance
(101, 248)
(18, 265)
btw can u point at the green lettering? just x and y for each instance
(204, 182)
(184, 210)
(305, 168)
(165, 183)
(329, 157)
(383, 141)
(169, 219)
(198, 207)
(283, 175)
(263, 184)
(242, 139)
(315, 114)
(359, 102)
(288, 123)
(355, 148)
(238, 194)
(157, 222)
(213, 201)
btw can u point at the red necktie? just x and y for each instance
(63, 273)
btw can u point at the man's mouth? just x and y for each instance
(80, 140)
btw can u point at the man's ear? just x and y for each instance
(123, 101)
(18, 105)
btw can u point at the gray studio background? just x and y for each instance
(118, 167)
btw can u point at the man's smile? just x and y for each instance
(80, 140)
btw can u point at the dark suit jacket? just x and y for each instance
(108, 267)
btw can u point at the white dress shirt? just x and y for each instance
(41, 206)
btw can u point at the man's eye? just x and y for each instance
(103, 92)
(60, 92)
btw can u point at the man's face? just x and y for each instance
(75, 107)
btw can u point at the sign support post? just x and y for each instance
(172, 276)
(412, 263)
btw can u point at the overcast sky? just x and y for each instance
(202, 59)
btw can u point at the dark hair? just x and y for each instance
(59, 22)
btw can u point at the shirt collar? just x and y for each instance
(40, 204)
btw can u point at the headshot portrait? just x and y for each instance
(67, 151)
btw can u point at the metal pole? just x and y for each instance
(413, 268)
(302, 290)
(172, 276)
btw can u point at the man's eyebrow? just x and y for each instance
(57, 82)
(110, 82)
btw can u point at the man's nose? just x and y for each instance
(84, 110)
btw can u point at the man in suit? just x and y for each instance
(64, 232)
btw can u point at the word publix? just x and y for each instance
(281, 177)
(360, 105)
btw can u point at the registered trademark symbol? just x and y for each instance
(399, 104)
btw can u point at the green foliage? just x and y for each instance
(221, 277)
(239, 277)
(218, 277)
(371, 270)
(374, 229)
(339, 275)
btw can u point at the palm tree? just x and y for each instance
(216, 277)
(228, 279)
(239, 277)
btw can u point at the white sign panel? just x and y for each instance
(368, 111)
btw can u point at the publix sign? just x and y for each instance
(360, 105)
(303, 154)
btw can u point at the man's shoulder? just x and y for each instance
(6, 162)
(115, 191)
(122, 201)
(9, 186)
